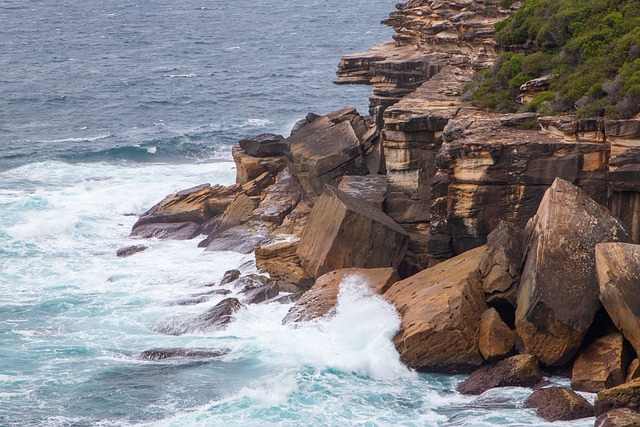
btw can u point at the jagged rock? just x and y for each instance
(282, 263)
(440, 309)
(279, 199)
(192, 353)
(249, 167)
(322, 298)
(559, 404)
(214, 319)
(626, 395)
(175, 230)
(326, 149)
(264, 145)
(252, 281)
(344, 232)
(501, 263)
(618, 270)
(558, 295)
(624, 186)
(295, 222)
(621, 417)
(496, 339)
(257, 186)
(237, 239)
(370, 188)
(130, 250)
(237, 213)
(530, 89)
(601, 365)
(309, 118)
(633, 371)
(289, 298)
(516, 371)
(260, 294)
(230, 276)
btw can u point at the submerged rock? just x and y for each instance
(130, 250)
(559, 404)
(191, 353)
(213, 319)
(516, 371)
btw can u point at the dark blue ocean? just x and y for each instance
(106, 107)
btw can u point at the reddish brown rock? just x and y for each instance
(250, 167)
(558, 295)
(496, 339)
(601, 365)
(282, 263)
(344, 232)
(279, 200)
(440, 309)
(370, 188)
(618, 268)
(322, 298)
(621, 417)
(559, 404)
(516, 371)
(633, 371)
(296, 221)
(626, 395)
(258, 185)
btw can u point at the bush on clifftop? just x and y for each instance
(591, 47)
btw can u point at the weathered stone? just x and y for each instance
(251, 281)
(496, 339)
(618, 270)
(558, 295)
(601, 365)
(440, 309)
(264, 145)
(322, 298)
(130, 250)
(310, 117)
(250, 167)
(230, 276)
(624, 202)
(633, 371)
(626, 395)
(344, 232)
(295, 222)
(238, 239)
(516, 371)
(258, 185)
(260, 294)
(328, 148)
(282, 263)
(279, 199)
(191, 353)
(214, 319)
(621, 417)
(174, 230)
(559, 404)
(370, 188)
(501, 263)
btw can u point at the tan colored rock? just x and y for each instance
(618, 268)
(249, 167)
(559, 404)
(633, 371)
(558, 295)
(621, 417)
(296, 221)
(345, 232)
(258, 185)
(440, 309)
(517, 371)
(279, 199)
(601, 365)
(371, 188)
(496, 339)
(322, 298)
(626, 395)
(282, 263)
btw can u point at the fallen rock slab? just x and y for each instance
(496, 339)
(559, 404)
(602, 364)
(250, 167)
(282, 263)
(263, 145)
(516, 371)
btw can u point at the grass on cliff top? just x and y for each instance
(591, 47)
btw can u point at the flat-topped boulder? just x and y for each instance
(441, 309)
(559, 404)
(559, 294)
(602, 364)
(345, 232)
(250, 167)
(264, 145)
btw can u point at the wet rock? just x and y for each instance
(282, 263)
(618, 270)
(264, 145)
(626, 395)
(558, 295)
(322, 298)
(602, 364)
(279, 200)
(621, 417)
(192, 353)
(496, 339)
(130, 250)
(559, 404)
(516, 371)
(213, 292)
(249, 167)
(344, 232)
(289, 298)
(251, 281)
(440, 309)
(230, 276)
(260, 294)
(238, 239)
(213, 319)
(175, 231)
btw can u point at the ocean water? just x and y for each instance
(106, 107)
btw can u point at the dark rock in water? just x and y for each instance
(303, 122)
(289, 298)
(264, 145)
(260, 294)
(621, 417)
(626, 395)
(238, 239)
(176, 230)
(251, 281)
(559, 404)
(516, 371)
(130, 250)
(194, 353)
(192, 301)
(214, 319)
(214, 292)
(230, 276)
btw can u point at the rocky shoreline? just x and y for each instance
(508, 243)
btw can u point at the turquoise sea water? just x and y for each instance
(106, 107)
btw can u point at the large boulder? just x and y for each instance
(621, 417)
(282, 263)
(172, 230)
(440, 309)
(602, 364)
(345, 232)
(516, 371)
(371, 188)
(279, 200)
(322, 298)
(328, 148)
(496, 339)
(559, 294)
(250, 167)
(264, 145)
(618, 268)
(559, 404)
(626, 395)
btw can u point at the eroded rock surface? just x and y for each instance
(516, 371)
(559, 404)
(602, 364)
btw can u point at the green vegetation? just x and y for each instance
(591, 47)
